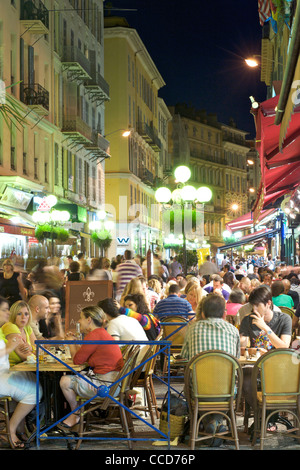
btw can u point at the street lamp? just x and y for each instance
(47, 216)
(184, 193)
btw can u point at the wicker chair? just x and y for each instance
(211, 380)
(279, 391)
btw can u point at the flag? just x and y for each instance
(264, 10)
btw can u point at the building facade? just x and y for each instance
(217, 156)
(52, 57)
(132, 172)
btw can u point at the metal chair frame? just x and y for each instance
(284, 398)
(224, 403)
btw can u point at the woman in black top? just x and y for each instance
(11, 285)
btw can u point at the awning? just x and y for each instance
(6, 226)
(246, 220)
(280, 170)
(252, 237)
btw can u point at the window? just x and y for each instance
(56, 164)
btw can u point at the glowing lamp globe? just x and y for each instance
(163, 195)
(204, 194)
(182, 174)
(51, 200)
(188, 193)
(101, 215)
(176, 196)
(226, 234)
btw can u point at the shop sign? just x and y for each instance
(123, 241)
(15, 198)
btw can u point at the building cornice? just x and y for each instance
(138, 47)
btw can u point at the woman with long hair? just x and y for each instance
(20, 386)
(19, 327)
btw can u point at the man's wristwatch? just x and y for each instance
(269, 332)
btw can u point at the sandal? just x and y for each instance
(18, 445)
(272, 427)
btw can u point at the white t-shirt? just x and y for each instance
(125, 328)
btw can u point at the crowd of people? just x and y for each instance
(233, 305)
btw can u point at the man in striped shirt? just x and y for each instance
(173, 304)
(125, 272)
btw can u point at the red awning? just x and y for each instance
(280, 170)
(246, 220)
(6, 226)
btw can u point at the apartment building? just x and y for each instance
(52, 52)
(216, 155)
(135, 165)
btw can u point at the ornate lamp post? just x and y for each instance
(50, 221)
(184, 194)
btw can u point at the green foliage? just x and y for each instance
(102, 238)
(191, 256)
(46, 231)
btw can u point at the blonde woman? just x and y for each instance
(19, 328)
(194, 295)
(135, 286)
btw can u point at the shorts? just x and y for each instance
(20, 386)
(85, 389)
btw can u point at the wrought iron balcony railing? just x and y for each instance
(35, 95)
(34, 10)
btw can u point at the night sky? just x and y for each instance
(198, 47)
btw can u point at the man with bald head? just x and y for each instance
(39, 307)
(291, 293)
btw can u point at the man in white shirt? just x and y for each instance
(39, 307)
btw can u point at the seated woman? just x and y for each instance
(279, 298)
(136, 307)
(194, 295)
(105, 360)
(20, 386)
(236, 300)
(19, 327)
(51, 327)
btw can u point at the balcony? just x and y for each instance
(97, 88)
(98, 148)
(34, 16)
(75, 64)
(75, 129)
(146, 176)
(149, 135)
(35, 97)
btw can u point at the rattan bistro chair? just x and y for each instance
(99, 412)
(175, 332)
(4, 422)
(277, 391)
(213, 384)
(287, 310)
(142, 378)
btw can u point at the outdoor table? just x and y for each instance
(53, 399)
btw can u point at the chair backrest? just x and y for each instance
(124, 376)
(213, 374)
(287, 310)
(174, 333)
(279, 371)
